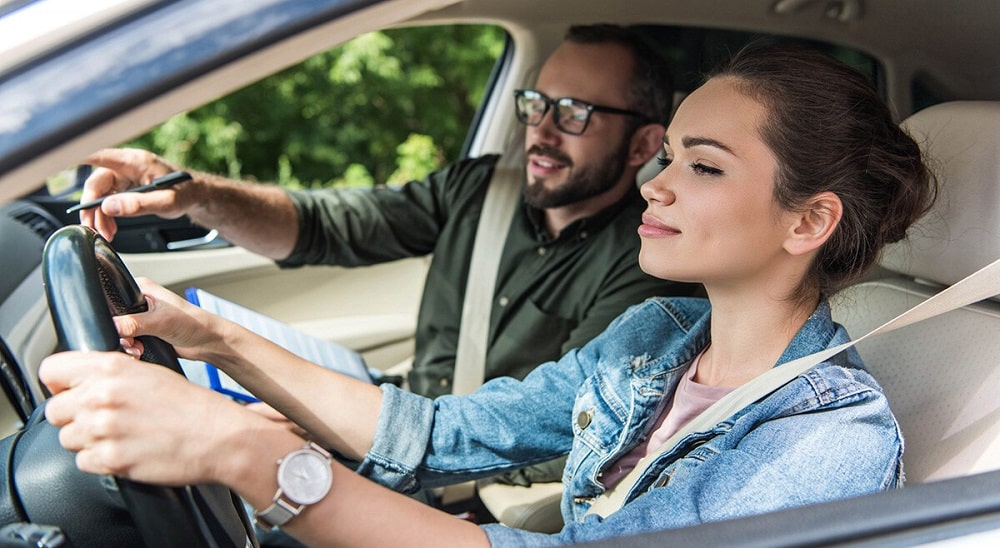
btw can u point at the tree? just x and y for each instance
(386, 107)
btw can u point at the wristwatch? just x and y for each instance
(304, 478)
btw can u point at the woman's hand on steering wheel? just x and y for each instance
(121, 417)
(193, 332)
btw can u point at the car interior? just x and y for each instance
(936, 62)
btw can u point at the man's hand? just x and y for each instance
(117, 170)
(258, 217)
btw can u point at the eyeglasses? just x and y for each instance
(571, 115)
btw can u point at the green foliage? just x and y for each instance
(386, 107)
(417, 156)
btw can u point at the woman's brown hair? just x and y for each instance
(831, 132)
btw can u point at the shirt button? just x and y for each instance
(583, 419)
(583, 234)
(542, 250)
(503, 301)
(444, 382)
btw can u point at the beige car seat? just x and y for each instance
(942, 375)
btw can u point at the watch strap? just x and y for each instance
(277, 514)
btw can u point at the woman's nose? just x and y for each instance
(658, 189)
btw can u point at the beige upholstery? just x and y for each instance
(534, 508)
(941, 376)
(962, 234)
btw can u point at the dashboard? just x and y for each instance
(26, 332)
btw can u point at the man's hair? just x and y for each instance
(651, 91)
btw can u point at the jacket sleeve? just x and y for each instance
(506, 424)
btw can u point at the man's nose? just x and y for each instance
(546, 130)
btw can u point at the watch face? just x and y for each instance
(305, 476)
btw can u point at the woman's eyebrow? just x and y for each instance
(690, 142)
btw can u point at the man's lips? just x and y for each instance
(651, 226)
(546, 162)
(544, 166)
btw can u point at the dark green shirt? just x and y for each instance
(553, 294)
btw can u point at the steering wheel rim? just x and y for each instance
(86, 284)
(82, 306)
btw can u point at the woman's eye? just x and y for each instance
(663, 160)
(702, 169)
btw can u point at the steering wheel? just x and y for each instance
(87, 283)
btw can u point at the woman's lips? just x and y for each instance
(652, 227)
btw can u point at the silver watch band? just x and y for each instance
(277, 514)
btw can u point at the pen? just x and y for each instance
(168, 180)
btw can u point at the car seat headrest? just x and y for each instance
(962, 232)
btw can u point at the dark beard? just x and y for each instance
(586, 183)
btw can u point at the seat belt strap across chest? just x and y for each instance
(502, 198)
(982, 284)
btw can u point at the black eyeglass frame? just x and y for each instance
(550, 102)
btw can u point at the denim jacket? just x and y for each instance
(827, 434)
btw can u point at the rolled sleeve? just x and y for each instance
(401, 437)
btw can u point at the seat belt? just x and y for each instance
(502, 197)
(982, 284)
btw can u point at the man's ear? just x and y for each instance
(646, 142)
(812, 226)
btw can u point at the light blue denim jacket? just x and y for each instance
(827, 434)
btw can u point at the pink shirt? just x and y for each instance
(688, 401)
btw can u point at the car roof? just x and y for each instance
(30, 28)
(955, 41)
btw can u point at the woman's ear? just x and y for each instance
(813, 225)
(646, 142)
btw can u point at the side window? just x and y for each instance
(384, 108)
